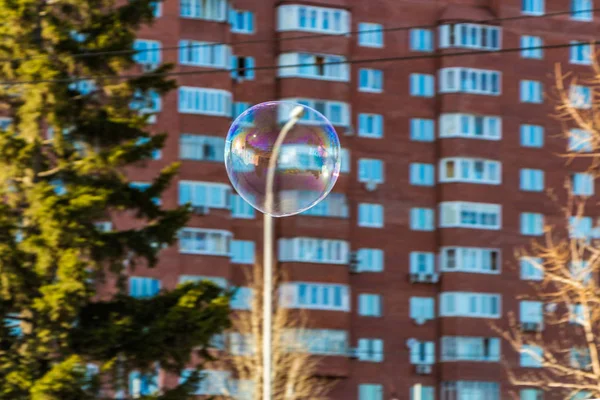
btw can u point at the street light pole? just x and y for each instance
(295, 115)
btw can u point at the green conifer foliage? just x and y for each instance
(55, 188)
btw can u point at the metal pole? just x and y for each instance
(268, 256)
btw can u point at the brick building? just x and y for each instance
(445, 168)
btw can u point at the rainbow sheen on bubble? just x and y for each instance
(308, 163)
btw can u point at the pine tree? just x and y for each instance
(55, 188)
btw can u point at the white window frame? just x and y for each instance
(464, 170)
(370, 80)
(326, 107)
(581, 10)
(148, 52)
(583, 184)
(304, 65)
(371, 170)
(289, 19)
(422, 309)
(370, 125)
(531, 180)
(469, 126)
(421, 174)
(370, 260)
(314, 250)
(370, 350)
(451, 213)
(319, 296)
(370, 35)
(211, 200)
(186, 94)
(532, 7)
(422, 219)
(529, 135)
(200, 147)
(470, 305)
(531, 224)
(243, 251)
(370, 305)
(422, 352)
(527, 47)
(421, 262)
(470, 348)
(226, 235)
(421, 40)
(531, 356)
(471, 36)
(422, 85)
(529, 270)
(531, 312)
(422, 129)
(450, 81)
(580, 53)
(581, 141)
(204, 54)
(248, 21)
(581, 96)
(371, 215)
(531, 91)
(470, 259)
(191, 8)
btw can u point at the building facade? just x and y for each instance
(447, 160)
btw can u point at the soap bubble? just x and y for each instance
(308, 161)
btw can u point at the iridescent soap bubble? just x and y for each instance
(307, 162)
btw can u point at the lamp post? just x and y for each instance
(295, 115)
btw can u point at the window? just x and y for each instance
(370, 260)
(242, 251)
(147, 103)
(471, 126)
(470, 170)
(313, 19)
(461, 348)
(370, 125)
(580, 141)
(156, 9)
(241, 21)
(422, 353)
(580, 53)
(421, 85)
(531, 47)
(532, 224)
(336, 112)
(463, 214)
(370, 215)
(531, 394)
(583, 184)
(473, 305)
(201, 148)
(580, 358)
(367, 391)
(312, 250)
(421, 174)
(370, 350)
(580, 227)
(582, 10)
(421, 40)
(535, 7)
(463, 390)
(532, 269)
(421, 130)
(420, 392)
(241, 344)
(242, 68)
(531, 91)
(531, 312)
(580, 96)
(242, 298)
(147, 52)
(334, 205)
(370, 80)
(5, 123)
(421, 219)
(471, 36)
(83, 86)
(142, 287)
(314, 66)
(532, 180)
(470, 80)
(140, 186)
(470, 259)
(156, 154)
(577, 314)
(214, 10)
(318, 341)
(531, 356)
(204, 54)
(315, 296)
(204, 241)
(143, 384)
(204, 194)
(422, 309)
(193, 100)
(370, 35)
(369, 305)
(532, 136)
(212, 383)
(370, 170)
(422, 263)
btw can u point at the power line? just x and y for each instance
(318, 35)
(274, 67)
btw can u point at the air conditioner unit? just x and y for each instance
(149, 67)
(531, 326)
(353, 263)
(423, 369)
(200, 210)
(371, 186)
(354, 269)
(433, 278)
(414, 277)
